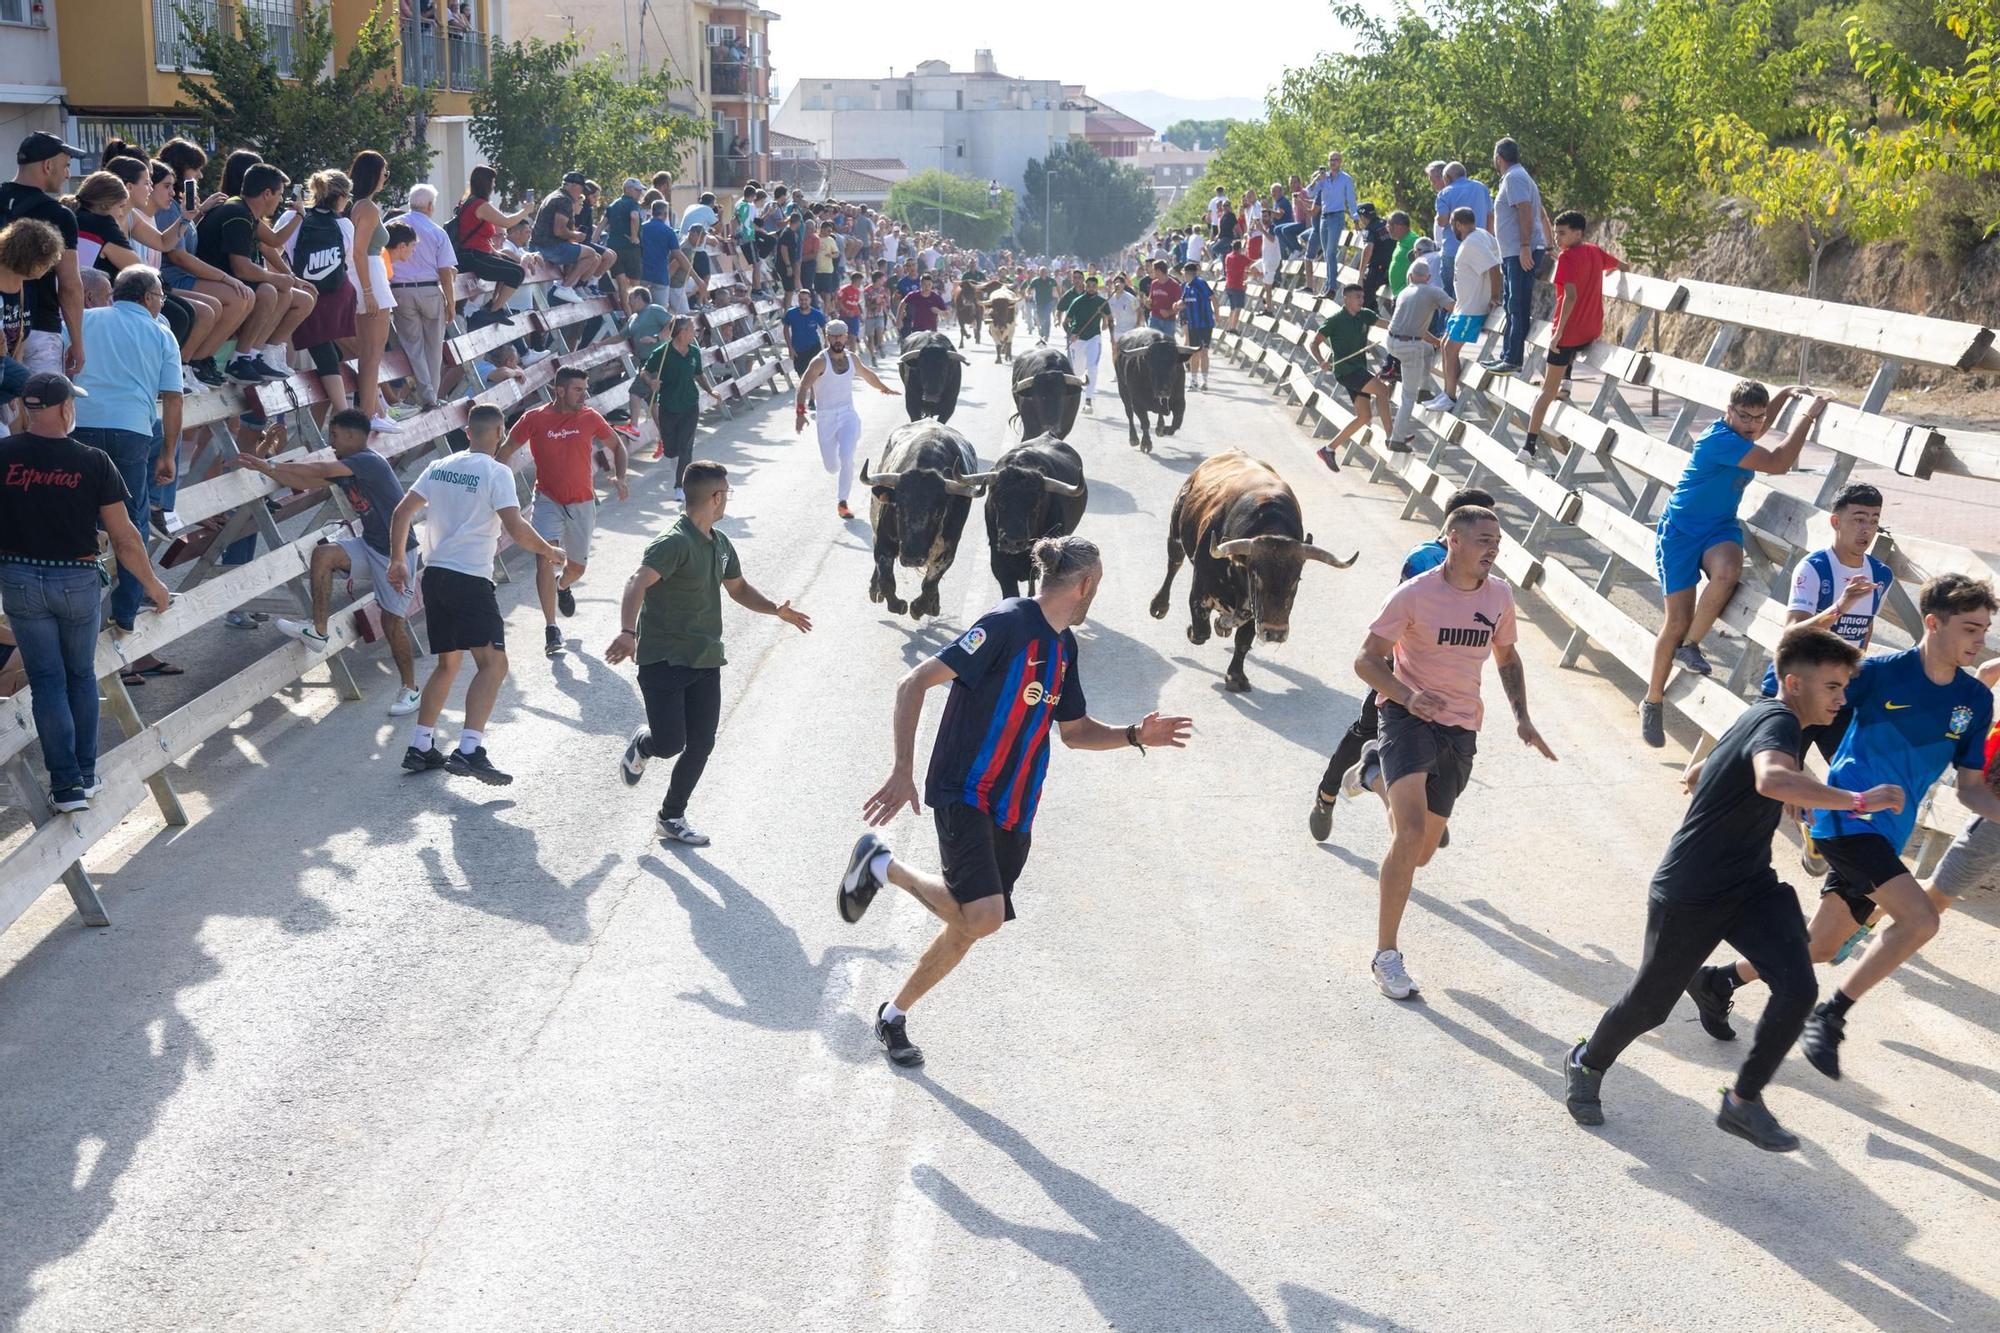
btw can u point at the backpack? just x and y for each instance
(319, 252)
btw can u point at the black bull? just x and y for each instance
(1046, 393)
(1238, 523)
(1035, 490)
(1152, 379)
(930, 367)
(919, 505)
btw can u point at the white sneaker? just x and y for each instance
(679, 830)
(1526, 455)
(1391, 976)
(1355, 781)
(299, 629)
(564, 292)
(680, 496)
(384, 424)
(1442, 403)
(405, 704)
(535, 358)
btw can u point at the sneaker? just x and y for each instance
(384, 425)
(69, 800)
(299, 629)
(680, 496)
(404, 411)
(1400, 446)
(1815, 864)
(1858, 940)
(405, 703)
(859, 886)
(566, 601)
(564, 292)
(1713, 999)
(1319, 822)
(633, 765)
(477, 765)
(1580, 1084)
(1754, 1121)
(1442, 403)
(1328, 457)
(1503, 367)
(843, 511)
(246, 370)
(1689, 657)
(679, 830)
(1391, 976)
(1821, 1040)
(204, 370)
(1360, 779)
(552, 644)
(1653, 724)
(1525, 454)
(1090, 405)
(535, 357)
(243, 619)
(423, 761)
(1488, 362)
(93, 786)
(894, 1035)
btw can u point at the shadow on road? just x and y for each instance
(1309, 1311)
(500, 873)
(1296, 713)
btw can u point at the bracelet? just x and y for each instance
(628, 633)
(1860, 803)
(1132, 738)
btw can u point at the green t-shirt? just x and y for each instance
(648, 322)
(1399, 262)
(1068, 297)
(680, 622)
(1346, 335)
(677, 374)
(1043, 290)
(1083, 317)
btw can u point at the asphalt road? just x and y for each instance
(367, 1051)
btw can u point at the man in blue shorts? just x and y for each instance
(1916, 713)
(1698, 533)
(1012, 676)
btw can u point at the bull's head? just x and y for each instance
(1271, 565)
(1166, 371)
(922, 497)
(928, 366)
(1019, 500)
(1048, 402)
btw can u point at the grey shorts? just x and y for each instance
(1972, 859)
(365, 559)
(567, 526)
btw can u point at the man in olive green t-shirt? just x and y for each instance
(672, 618)
(1085, 318)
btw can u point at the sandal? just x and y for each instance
(159, 668)
(130, 678)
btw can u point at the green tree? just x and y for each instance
(954, 206)
(323, 113)
(1198, 133)
(1955, 109)
(545, 110)
(1076, 202)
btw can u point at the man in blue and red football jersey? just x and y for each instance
(1013, 677)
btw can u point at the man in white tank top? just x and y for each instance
(829, 383)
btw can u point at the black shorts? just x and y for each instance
(625, 262)
(461, 611)
(1412, 745)
(1858, 864)
(1199, 337)
(489, 267)
(1355, 381)
(1563, 356)
(980, 858)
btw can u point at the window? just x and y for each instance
(16, 11)
(959, 98)
(720, 34)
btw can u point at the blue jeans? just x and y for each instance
(1327, 232)
(13, 379)
(54, 614)
(132, 454)
(1044, 314)
(1166, 326)
(1517, 292)
(1288, 238)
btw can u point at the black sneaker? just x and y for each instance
(1319, 822)
(1713, 999)
(895, 1038)
(859, 886)
(565, 601)
(633, 766)
(246, 370)
(1580, 1086)
(1754, 1121)
(205, 371)
(552, 644)
(477, 765)
(1825, 1030)
(69, 800)
(423, 761)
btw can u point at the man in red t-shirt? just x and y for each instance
(562, 435)
(1579, 318)
(1163, 300)
(922, 307)
(1235, 270)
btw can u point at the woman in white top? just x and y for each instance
(369, 273)
(1124, 303)
(829, 384)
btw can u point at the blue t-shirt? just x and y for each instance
(1422, 559)
(1200, 307)
(1464, 192)
(1015, 676)
(805, 326)
(1816, 585)
(1907, 730)
(1712, 484)
(657, 243)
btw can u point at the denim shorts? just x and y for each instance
(562, 253)
(13, 379)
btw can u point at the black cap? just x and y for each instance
(40, 147)
(49, 389)
(1365, 211)
(575, 178)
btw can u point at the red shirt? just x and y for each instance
(850, 302)
(561, 443)
(1164, 298)
(1234, 266)
(1584, 265)
(923, 308)
(1254, 247)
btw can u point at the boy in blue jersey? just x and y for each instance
(1013, 678)
(1422, 557)
(1916, 713)
(1698, 532)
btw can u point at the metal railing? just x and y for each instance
(280, 21)
(171, 46)
(734, 171)
(454, 59)
(171, 49)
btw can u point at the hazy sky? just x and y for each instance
(1098, 45)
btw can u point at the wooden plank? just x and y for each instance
(209, 406)
(469, 347)
(573, 312)
(199, 606)
(1571, 422)
(1638, 289)
(17, 725)
(1918, 559)
(1887, 333)
(1538, 487)
(1966, 453)
(286, 395)
(1624, 536)
(1881, 440)
(1756, 617)
(727, 314)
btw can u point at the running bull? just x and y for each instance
(920, 501)
(1036, 490)
(1238, 523)
(1152, 378)
(930, 367)
(1046, 393)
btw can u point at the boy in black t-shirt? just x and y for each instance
(1715, 884)
(56, 297)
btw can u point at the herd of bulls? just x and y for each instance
(1235, 521)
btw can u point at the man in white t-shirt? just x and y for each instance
(467, 499)
(928, 258)
(1197, 246)
(1476, 278)
(1215, 207)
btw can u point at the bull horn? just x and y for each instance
(1230, 550)
(956, 486)
(979, 478)
(909, 356)
(886, 479)
(1074, 381)
(1063, 488)
(1311, 552)
(959, 357)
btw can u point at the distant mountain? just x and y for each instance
(1162, 109)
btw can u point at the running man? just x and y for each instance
(1086, 318)
(1011, 675)
(672, 618)
(1698, 533)
(1916, 713)
(1345, 334)
(832, 373)
(1423, 656)
(562, 435)
(1579, 317)
(1198, 315)
(1715, 883)
(466, 498)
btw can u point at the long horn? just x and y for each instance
(955, 486)
(1074, 381)
(1054, 487)
(979, 478)
(1315, 553)
(888, 479)
(1231, 550)
(960, 358)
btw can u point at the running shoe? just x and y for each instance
(894, 1035)
(633, 766)
(1503, 367)
(1713, 999)
(405, 703)
(69, 800)
(1753, 1121)
(680, 496)
(552, 644)
(1525, 454)
(842, 510)
(1825, 1030)
(536, 357)
(93, 787)
(382, 425)
(628, 430)
(246, 370)
(1328, 457)
(1319, 823)
(1442, 403)
(1580, 1084)
(244, 619)
(1400, 446)
(564, 292)
(423, 761)
(566, 601)
(1391, 975)
(300, 630)
(1653, 724)
(1809, 857)
(679, 830)
(404, 411)
(859, 885)
(1090, 406)
(205, 371)
(477, 765)
(1361, 778)
(1854, 942)
(1689, 657)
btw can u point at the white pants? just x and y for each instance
(1083, 361)
(839, 433)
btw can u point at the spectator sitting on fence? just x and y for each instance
(29, 251)
(320, 250)
(54, 300)
(123, 232)
(699, 214)
(477, 232)
(370, 487)
(425, 280)
(58, 494)
(230, 238)
(559, 238)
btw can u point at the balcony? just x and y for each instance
(453, 61)
(733, 172)
(734, 72)
(172, 50)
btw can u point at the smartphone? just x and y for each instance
(188, 189)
